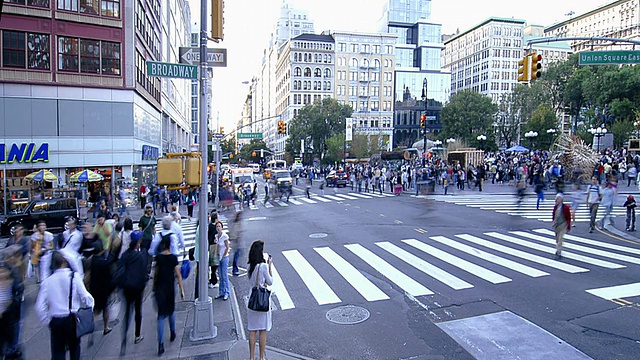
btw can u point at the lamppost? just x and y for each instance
(551, 132)
(450, 141)
(598, 132)
(636, 125)
(481, 139)
(437, 144)
(531, 135)
(425, 100)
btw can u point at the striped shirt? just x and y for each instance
(593, 194)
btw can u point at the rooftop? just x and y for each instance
(491, 19)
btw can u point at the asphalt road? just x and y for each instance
(439, 280)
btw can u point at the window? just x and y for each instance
(307, 71)
(327, 73)
(376, 64)
(89, 56)
(13, 49)
(354, 62)
(89, 7)
(365, 63)
(38, 51)
(111, 8)
(297, 72)
(69, 5)
(317, 72)
(110, 58)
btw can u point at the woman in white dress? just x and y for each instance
(258, 322)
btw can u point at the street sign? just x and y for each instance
(215, 57)
(169, 70)
(257, 135)
(609, 57)
(217, 136)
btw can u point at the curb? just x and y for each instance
(611, 229)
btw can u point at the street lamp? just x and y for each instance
(424, 99)
(551, 132)
(530, 135)
(437, 144)
(481, 139)
(450, 141)
(636, 125)
(598, 132)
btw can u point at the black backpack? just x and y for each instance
(165, 237)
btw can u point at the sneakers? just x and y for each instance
(210, 286)
(138, 339)
(225, 298)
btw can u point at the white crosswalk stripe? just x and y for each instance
(526, 252)
(309, 201)
(188, 230)
(507, 204)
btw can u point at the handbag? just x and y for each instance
(185, 268)
(259, 298)
(83, 319)
(214, 259)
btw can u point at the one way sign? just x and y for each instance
(215, 57)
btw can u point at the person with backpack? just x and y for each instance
(147, 224)
(191, 202)
(131, 278)
(165, 234)
(630, 205)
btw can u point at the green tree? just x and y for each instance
(315, 123)
(621, 131)
(251, 152)
(542, 119)
(467, 115)
(228, 145)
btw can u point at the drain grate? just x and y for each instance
(348, 315)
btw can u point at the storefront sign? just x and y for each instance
(24, 153)
(149, 152)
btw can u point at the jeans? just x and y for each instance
(224, 276)
(132, 297)
(593, 211)
(607, 214)
(172, 326)
(236, 257)
(540, 198)
(63, 336)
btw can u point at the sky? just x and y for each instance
(249, 23)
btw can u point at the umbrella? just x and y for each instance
(517, 148)
(42, 175)
(86, 175)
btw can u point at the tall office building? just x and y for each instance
(417, 57)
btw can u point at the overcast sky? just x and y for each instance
(249, 23)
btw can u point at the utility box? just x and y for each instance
(192, 170)
(169, 171)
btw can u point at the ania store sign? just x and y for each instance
(24, 153)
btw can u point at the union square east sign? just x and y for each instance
(615, 57)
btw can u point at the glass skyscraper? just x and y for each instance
(418, 53)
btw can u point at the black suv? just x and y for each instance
(53, 211)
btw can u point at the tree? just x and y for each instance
(228, 145)
(621, 131)
(467, 115)
(542, 119)
(251, 152)
(316, 123)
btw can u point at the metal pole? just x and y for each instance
(426, 101)
(203, 327)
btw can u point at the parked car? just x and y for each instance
(336, 178)
(54, 211)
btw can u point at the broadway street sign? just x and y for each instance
(169, 70)
(257, 135)
(215, 57)
(609, 57)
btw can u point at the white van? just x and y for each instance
(241, 176)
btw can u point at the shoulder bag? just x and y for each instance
(259, 299)
(83, 319)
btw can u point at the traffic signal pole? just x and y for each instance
(203, 326)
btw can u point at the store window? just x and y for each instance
(90, 56)
(29, 50)
(39, 51)
(110, 58)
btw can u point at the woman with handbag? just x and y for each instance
(222, 240)
(259, 277)
(58, 306)
(166, 272)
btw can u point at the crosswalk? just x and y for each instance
(327, 197)
(507, 204)
(434, 265)
(189, 231)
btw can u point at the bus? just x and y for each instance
(276, 164)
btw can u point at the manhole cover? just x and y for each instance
(348, 315)
(318, 235)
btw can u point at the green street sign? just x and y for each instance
(609, 57)
(169, 70)
(257, 135)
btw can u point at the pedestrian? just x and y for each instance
(561, 222)
(164, 200)
(222, 240)
(100, 285)
(632, 172)
(539, 189)
(608, 197)
(308, 188)
(166, 234)
(237, 243)
(167, 271)
(260, 274)
(191, 202)
(144, 191)
(122, 198)
(103, 229)
(266, 193)
(147, 225)
(54, 308)
(214, 259)
(41, 247)
(18, 238)
(11, 299)
(132, 265)
(630, 205)
(594, 196)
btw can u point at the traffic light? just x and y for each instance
(423, 120)
(284, 128)
(169, 171)
(523, 69)
(221, 129)
(217, 20)
(253, 153)
(192, 171)
(536, 66)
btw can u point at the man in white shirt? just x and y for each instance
(167, 223)
(72, 236)
(52, 307)
(176, 228)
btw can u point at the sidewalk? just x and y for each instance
(230, 342)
